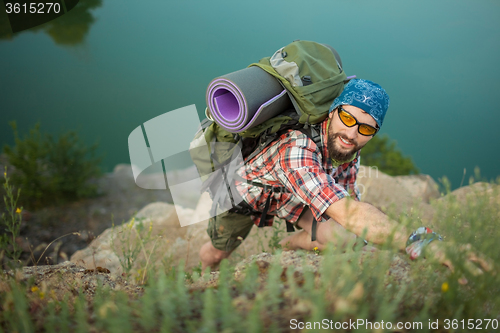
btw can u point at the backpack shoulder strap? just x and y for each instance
(313, 133)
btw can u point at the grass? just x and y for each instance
(10, 223)
(355, 287)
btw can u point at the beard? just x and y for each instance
(341, 155)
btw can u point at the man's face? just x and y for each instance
(344, 141)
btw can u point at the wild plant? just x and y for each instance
(52, 171)
(277, 235)
(133, 238)
(11, 222)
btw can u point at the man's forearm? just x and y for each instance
(356, 216)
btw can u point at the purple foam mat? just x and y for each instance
(245, 98)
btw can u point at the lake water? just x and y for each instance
(108, 66)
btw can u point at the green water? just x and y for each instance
(106, 67)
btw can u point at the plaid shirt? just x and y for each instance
(297, 163)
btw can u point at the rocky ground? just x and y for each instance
(97, 249)
(65, 281)
(71, 227)
(68, 279)
(74, 226)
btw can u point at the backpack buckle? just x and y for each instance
(267, 137)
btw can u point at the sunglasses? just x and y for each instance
(349, 120)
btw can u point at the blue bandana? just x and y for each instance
(366, 95)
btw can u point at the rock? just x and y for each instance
(168, 241)
(189, 194)
(478, 196)
(397, 195)
(157, 228)
(420, 186)
(465, 194)
(120, 186)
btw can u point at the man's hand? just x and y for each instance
(438, 250)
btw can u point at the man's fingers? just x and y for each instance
(466, 247)
(473, 269)
(368, 248)
(448, 264)
(485, 264)
(476, 257)
(476, 263)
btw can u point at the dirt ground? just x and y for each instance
(67, 278)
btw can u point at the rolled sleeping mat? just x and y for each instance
(246, 98)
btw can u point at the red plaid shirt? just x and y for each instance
(296, 162)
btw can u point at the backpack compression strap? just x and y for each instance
(312, 132)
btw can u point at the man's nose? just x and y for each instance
(352, 132)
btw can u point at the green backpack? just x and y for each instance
(313, 77)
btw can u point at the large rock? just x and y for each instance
(420, 187)
(154, 236)
(119, 248)
(466, 194)
(481, 197)
(397, 195)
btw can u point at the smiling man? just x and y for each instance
(305, 183)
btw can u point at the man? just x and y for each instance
(318, 180)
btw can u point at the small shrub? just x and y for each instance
(382, 152)
(10, 222)
(52, 171)
(277, 235)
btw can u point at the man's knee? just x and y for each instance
(210, 251)
(227, 230)
(218, 255)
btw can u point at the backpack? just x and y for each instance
(312, 75)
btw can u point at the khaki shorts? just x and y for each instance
(227, 230)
